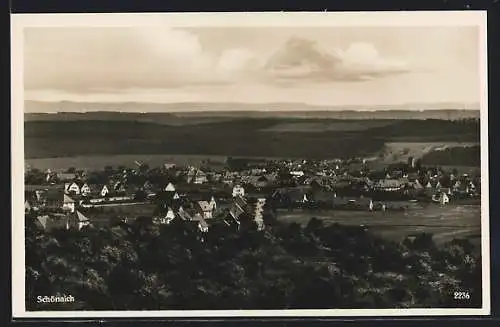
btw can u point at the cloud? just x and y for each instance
(361, 57)
(179, 52)
(303, 59)
(92, 59)
(188, 62)
(85, 59)
(238, 59)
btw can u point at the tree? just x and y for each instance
(314, 225)
(140, 195)
(108, 170)
(145, 266)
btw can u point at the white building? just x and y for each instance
(238, 190)
(85, 189)
(297, 173)
(72, 188)
(170, 188)
(68, 204)
(104, 191)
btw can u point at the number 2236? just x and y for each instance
(461, 295)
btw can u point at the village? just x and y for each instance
(237, 193)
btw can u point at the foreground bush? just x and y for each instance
(148, 267)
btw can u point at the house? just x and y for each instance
(389, 185)
(48, 223)
(40, 194)
(196, 176)
(169, 166)
(472, 187)
(238, 208)
(72, 188)
(31, 201)
(68, 203)
(260, 181)
(416, 184)
(168, 218)
(104, 191)
(298, 196)
(441, 198)
(85, 189)
(170, 215)
(77, 221)
(119, 187)
(238, 190)
(183, 214)
(169, 197)
(170, 187)
(42, 221)
(27, 206)
(297, 173)
(206, 209)
(213, 203)
(202, 225)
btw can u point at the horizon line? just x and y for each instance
(249, 111)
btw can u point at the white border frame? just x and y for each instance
(345, 19)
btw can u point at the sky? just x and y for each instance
(327, 66)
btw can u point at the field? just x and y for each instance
(445, 223)
(401, 151)
(100, 216)
(325, 126)
(252, 137)
(469, 155)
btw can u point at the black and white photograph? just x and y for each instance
(250, 164)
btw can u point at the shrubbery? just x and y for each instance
(460, 156)
(143, 266)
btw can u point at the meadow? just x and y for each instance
(401, 151)
(444, 222)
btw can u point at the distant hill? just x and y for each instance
(254, 137)
(170, 112)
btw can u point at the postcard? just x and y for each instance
(250, 165)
